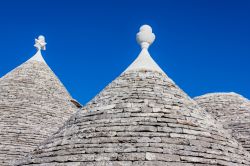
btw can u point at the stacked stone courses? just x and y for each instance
(231, 110)
(144, 119)
(33, 104)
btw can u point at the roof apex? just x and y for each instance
(144, 61)
(37, 57)
(40, 45)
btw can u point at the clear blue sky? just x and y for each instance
(203, 45)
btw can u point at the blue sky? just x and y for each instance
(203, 45)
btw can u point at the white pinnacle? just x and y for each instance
(40, 45)
(144, 61)
(145, 37)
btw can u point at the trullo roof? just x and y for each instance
(142, 118)
(33, 104)
(232, 110)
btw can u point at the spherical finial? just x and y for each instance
(40, 43)
(145, 37)
(41, 37)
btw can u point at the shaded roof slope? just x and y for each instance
(232, 110)
(33, 104)
(141, 118)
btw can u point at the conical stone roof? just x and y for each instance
(33, 104)
(141, 118)
(232, 110)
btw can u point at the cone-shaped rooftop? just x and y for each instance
(232, 110)
(33, 104)
(141, 118)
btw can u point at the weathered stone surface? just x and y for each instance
(233, 111)
(33, 105)
(141, 118)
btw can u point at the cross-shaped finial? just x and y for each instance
(40, 43)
